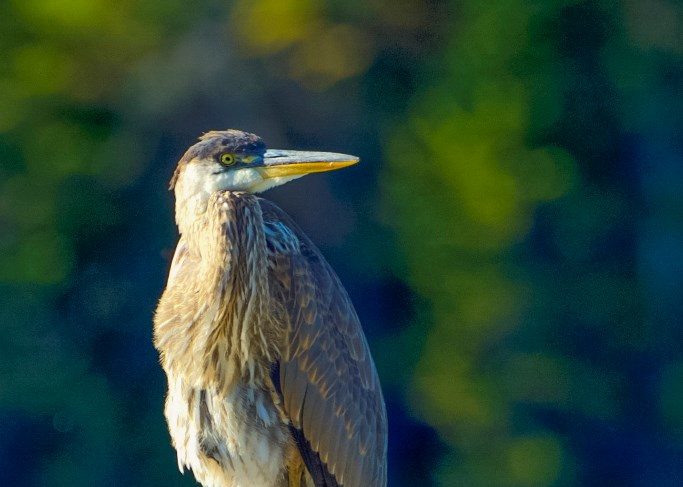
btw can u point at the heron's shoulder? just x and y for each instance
(274, 214)
(271, 211)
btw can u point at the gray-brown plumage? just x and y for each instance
(271, 382)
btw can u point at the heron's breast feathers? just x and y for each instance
(216, 322)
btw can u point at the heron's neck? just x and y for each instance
(190, 210)
(230, 241)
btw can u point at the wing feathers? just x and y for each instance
(327, 379)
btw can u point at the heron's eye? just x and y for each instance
(227, 159)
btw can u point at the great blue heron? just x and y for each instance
(270, 379)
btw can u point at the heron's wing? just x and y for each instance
(326, 377)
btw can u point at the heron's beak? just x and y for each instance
(283, 163)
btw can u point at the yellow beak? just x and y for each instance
(284, 163)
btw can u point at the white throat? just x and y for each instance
(200, 180)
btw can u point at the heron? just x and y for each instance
(270, 378)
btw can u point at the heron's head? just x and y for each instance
(238, 161)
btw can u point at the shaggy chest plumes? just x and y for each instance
(223, 421)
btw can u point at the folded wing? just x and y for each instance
(326, 377)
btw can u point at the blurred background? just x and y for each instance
(513, 239)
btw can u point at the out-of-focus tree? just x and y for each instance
(515, 189)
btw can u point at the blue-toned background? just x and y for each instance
(513, 239)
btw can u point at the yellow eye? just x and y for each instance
(227, 159)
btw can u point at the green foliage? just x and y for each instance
(485, 149)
